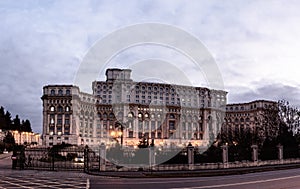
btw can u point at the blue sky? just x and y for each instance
(255, 44)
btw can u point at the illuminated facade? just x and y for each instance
(122, 110)
(29, 138)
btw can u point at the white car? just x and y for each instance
(79, 159)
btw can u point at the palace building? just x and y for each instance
(260, 117)
(125, 111)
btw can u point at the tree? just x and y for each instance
(26, 126)
(289, 116)
(16, 123)
(2, 118)
(7, 118)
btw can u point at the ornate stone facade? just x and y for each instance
(260, 117)
(125, 111)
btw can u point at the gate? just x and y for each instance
(55, 158)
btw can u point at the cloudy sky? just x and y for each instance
(254, 43)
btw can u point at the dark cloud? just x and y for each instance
(270, 91)
(43, 42)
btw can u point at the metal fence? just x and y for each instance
(71, 158)
(89, 160)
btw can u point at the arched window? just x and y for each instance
(67, 108)
(146, 115)
(52, 92)
(140, 115)
(52, 119)
(111, 116)
(104, 116)
(52, 109)
(60, 109)
(60, 92)
(68, 92)
(130, 114)
(172, 116)
(242, 119)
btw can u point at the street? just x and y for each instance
(61, 179)
(272, 179)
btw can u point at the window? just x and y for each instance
(59, 119)
(158, 125)
(172, 125)
(130, 134)
(158, 135)
(52, 92)
(67, 109)
(111, 116)
(183, 126)
(140, 125)
(130, 115)
(140, 115)
(153, 125)
(140, 135)
(52, 109)
(60, 109)
(68, 92)
(146, 125)
(60, 92)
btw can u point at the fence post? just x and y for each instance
(225, 155)
(52, 150)
(190, 153)
(280, 152)
(151, 157)
(254, 154)
(86, 159)
(102, 157)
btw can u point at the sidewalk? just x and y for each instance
(2, 156)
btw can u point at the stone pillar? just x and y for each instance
(151, 156)
(190, 153)
(254, 153)
(280, 152)
(225, 155)
(102, 157)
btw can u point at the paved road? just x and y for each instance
(46, 179)
(39, 179)
(271, 180)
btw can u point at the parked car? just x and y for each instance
(79, 159)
